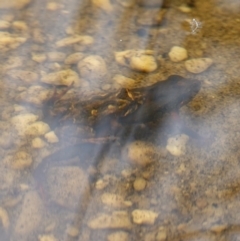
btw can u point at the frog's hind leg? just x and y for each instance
(177, 126)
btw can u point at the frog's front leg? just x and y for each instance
(48, 106)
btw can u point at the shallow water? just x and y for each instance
(68, 171)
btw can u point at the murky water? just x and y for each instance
(119, 120)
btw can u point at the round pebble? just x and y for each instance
(177, 54)
(198, 65)
(139, 184)
(144, 216)
(177, 145)
(139, 153)
(21, 160)
(72, 231)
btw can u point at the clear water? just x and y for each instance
(66, 173)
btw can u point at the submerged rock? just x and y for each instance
(30, 216)
(116, 220)
(68, 186)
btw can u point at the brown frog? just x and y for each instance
(115, 116)
(108, 113)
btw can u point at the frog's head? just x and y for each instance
(183, 90)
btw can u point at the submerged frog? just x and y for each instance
(118, 115)
(108, 113)
(121, 115)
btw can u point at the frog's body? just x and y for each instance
(127, 106)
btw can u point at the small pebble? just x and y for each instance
(219, 228)
(74, 58)
(123, 81)
(139, 153)
(56, 56)
(144, 216)
(118, 236)
(47, 237)
(101, 184)
(198, 65)
(114, 200)
(83, 40)
(115, 220)
(53, 6)
(139, 184)
(177, 145)
(177, 54)
(62, 77)
(39, 57)
(161, 234)
(21, 160)
(20, 26)
(72, 231)
(4, 25)
(38, 143)
(35, 94)
(93, 68)
(105, 5)
(38, 128)
(51, 137)
(140, 60)
(15, 4)
(184, 8)
(4, 218)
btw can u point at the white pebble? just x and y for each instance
(39, 57)
(117, 219)
(144, 63)
(4, 25)
(184, 8)
(140, 60)
(56, 56)
(38, 128)
(51, 137)
(118, 236)
(101, 184)
(18, 108)
(19, 4)
(4, 218)
(177, 145)
(93, 68)
(72, 231)
(38, 143)
(177, 54)
(198, 65)
(21, 122)
(84, 40)
(47, 237)
(139, 184)
(35, 94)
(74, 58)
(53, 6)
(139, 153)
(123, 81)
(105, 5)
(20, 161)
(63, 77)
(114, 200)
(20, 26)
(161, 234)
(144, 216)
